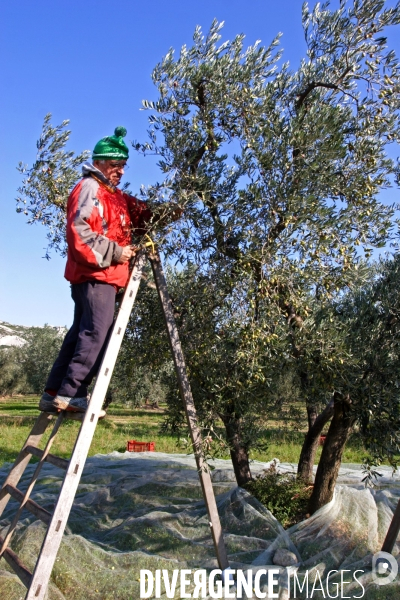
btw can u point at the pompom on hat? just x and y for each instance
(112, 147)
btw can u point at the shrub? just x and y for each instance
(280, 493)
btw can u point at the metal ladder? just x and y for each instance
(37, 582)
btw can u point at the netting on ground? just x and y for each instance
(145, 511)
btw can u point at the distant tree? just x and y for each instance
(12, 377)
(38, 355)
(25, 369)
(137, 382)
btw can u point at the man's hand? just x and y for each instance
(127, 254)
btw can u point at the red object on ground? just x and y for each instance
(322, 439)
(134, 446)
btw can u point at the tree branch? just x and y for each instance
(311, 86)
(331, 86)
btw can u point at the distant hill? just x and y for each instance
(15, 335)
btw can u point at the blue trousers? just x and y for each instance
(84, 345)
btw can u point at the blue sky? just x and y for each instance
(91, 62)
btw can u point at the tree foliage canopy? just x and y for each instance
(299, 194)
(372, 317)
(46, 185)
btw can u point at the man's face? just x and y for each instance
(112, 169)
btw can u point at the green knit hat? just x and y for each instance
(112, 147)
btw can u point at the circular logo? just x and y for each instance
(384, 568)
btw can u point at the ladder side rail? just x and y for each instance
(23, 458)
(190, 410)
(52, 540)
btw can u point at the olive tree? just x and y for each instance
(279, 170)
(366, 387)
(39, 353)
(374, 317)
(24, 368)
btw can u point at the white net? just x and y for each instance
(145, 511)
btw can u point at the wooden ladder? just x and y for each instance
(37, 582)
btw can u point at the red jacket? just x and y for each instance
(100, 220)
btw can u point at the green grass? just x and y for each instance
(18, 415)
(286, 445)
(122, 423)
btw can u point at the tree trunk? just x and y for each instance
(312, 415)
(329, 464)
(311, 442)
(238, 450)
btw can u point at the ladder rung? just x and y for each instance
(35, 509)
(19, 569)
(61, 463)
(75, 416)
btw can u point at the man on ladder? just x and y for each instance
(100, 222)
